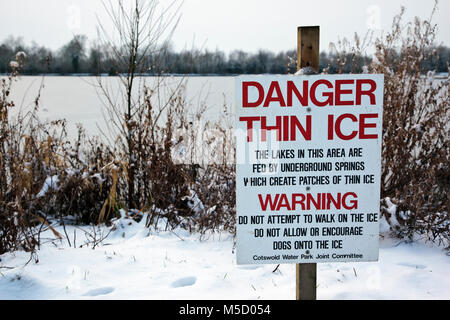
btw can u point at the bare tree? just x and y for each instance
(141, 30)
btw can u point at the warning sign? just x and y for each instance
(308, 168)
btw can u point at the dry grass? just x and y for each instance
(416, 144)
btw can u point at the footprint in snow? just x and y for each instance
(412, 265)
(99, 292)
(184, 282)
(249, 267)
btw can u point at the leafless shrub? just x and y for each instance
(151, 166)
(159, 142)
(16, 172)
(416, 148)
(141, 30)
(217, 187)
(416, 142)
(45, 177)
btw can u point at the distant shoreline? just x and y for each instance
(138, 75)
(436, 76)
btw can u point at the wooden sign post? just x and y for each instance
(307, 56)
(308, 48)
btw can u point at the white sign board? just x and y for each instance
(308, 168)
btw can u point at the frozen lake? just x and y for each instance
(78, 100)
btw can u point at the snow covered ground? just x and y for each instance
(137, 263)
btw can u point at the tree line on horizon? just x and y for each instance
(77, 57)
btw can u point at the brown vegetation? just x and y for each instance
(416, 144)
(162, 163)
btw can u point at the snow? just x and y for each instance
(305, 71)
(365, 69)
(194, 203)
(14, 64)
(134, 262)
(50, 183)
(20, 56)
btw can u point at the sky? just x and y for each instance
(226, 25)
